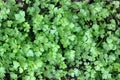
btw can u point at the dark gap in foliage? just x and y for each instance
(98, 75)
(107, 20)
(36, 76)
(20, 75)
(57, 67)
(70, 77)
(104, 38)
(111, 52)
(107, 2)
(43, 76)
(112, 7)
(99, 41)
(82, 64)
(52, 19)
(25, 6)
(46, 78)
(28, 18)
(63, 78)
(118, 26)
(47, 62)
(75, 33)
(100, 22)
(39, 31)
(61, 47)
(76, 0)
(2, 42)
(58, 5)
(71, 66)
(90, 23)
(112, 16)
(11, 64)
(90, 1)
(87, 61)
(92, 63)
(118, 10)
(18, 1)
(21, 30)
(31, 34)
(110, 30)
(19, 78)
(7, 76)
(74, 10)
(65, 60)
(119, 56)
(114, 73)
(117, 22)
(44, 10)
(5, 0)
(50, 79)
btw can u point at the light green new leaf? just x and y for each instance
(30, 53)
(20, 17)
(16, 64)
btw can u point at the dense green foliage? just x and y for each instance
(59, 40)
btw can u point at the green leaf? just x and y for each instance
(16, 64)
(26, 26)
(116, 4)
(70, 55)
(20, 70)
(30, 53)
(13, 75)
(63, 65)
(2, 70)
(27, 78)
(20, 17)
